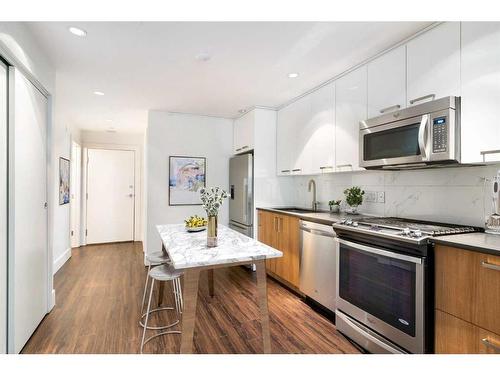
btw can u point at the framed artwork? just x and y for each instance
(64, 181)
(187, 175)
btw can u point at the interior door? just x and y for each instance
(110, 195)
(3, 208)
(28, 249)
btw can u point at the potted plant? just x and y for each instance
(354, 197)
(212, 200)
(334, 205)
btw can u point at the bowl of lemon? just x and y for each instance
(195, 223)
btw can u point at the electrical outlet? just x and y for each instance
(381, 197)
(370, 196)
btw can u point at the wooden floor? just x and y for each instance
(98, 295)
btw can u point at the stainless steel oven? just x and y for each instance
(415, 137)
(381, 297)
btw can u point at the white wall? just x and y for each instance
(453, 195)
(171, 134)
(130, 141)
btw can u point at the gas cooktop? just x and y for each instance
(400, 228)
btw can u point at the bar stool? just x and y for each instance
(154, 259)
(164, 272)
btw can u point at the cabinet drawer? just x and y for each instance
(486, 313)
(456, 336)
(453, 335)
(468, 286)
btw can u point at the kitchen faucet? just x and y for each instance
(314, 201)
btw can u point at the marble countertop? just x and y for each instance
(482, 242)
(321, 217)
(189, 250)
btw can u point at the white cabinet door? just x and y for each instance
(350, 109)
(387, 82)
(243, 135)
(284, 141)
(298, 135)
(480, 91)
(433, 64)
(320, 135)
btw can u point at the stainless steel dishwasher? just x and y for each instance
(317, 263)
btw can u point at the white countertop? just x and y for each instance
(189, 250)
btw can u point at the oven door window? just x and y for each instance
(392, 143)
(381, 286)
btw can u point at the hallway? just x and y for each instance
(98, 293)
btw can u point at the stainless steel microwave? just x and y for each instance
(416, 137)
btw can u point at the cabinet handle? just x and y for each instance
(326, 167)
(244, 147)
(490, 266)
(489, 344)
(344, 165)
(416, 100)
(296, 170)
(386, 109)
(274, 223)
(488, 152)
(238, 149)
(280, 224)
(285, 171)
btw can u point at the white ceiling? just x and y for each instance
(152, 65)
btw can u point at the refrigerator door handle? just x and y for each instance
(245, 201)
(232, 192)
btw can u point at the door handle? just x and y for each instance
(490, 266)
(489, 344)
(416, 100)
(130, 195)
(396, 106)
(421, 136)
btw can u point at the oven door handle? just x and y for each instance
(373, 250)
(421, 137)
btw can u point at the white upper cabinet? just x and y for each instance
(480, 126)
(320, 132)
(288, 118)
(305, 135)
(243, 133)
(433, 64)
(387, 82)
(350, 109)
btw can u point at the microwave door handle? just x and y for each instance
(421, 137)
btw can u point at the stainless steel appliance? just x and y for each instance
(241, 194)
(317, 263)
(385, 282)
(420, 136)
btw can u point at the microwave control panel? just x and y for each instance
(439, 134)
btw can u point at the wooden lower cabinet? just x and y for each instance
(467, 301)
(281, 232)
(456, 336)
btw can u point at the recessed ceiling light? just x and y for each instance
(100, 93)
(293, 75)
(77, 31)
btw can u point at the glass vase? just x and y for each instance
(212, 231)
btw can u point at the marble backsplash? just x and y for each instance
(454, 195)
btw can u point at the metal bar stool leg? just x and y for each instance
(179, 288)
(147, 313)
(145, 288)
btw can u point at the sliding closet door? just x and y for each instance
(28, 263)
(3, 207)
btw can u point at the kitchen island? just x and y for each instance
(188, 252)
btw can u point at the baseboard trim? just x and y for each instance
(59, 262)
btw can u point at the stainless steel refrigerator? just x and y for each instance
(241, 194)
